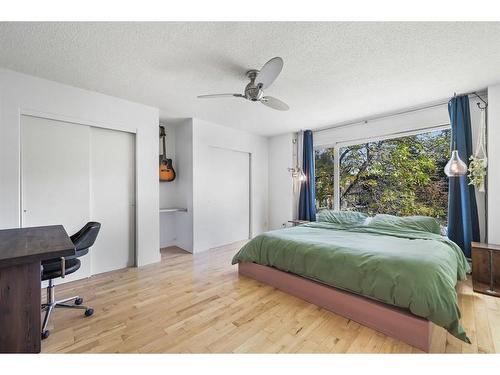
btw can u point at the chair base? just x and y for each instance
(52, 304)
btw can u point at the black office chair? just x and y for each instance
(54, 268)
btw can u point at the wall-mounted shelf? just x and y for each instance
(173, 210)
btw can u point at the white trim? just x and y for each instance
(336, 178)
(250, 195)
(402, 112)
(91, 198)
(90, 124)
(21, 182)
(402, 134)
(336, 147)
(73, 120)
(250, 182)
(81, 122)
(385, 116)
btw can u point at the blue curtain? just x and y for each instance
(307, 199)
(463, 222)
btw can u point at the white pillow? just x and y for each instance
(368, 220)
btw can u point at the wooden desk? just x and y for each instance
(21, 253)
(486, 268)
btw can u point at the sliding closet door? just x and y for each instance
(112, 194)
(72, 174)
(55, 177)
(227, 198)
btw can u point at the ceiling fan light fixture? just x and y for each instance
(259, 79)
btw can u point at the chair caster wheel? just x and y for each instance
(78, 301)
(45, 334)
(89, 311)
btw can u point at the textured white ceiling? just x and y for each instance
(333, 72)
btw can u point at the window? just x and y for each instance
(325, 174)
(399, 176)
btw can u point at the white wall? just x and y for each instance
(184, 156)
(280, 151)
(23, 94)
(494, 164)
(206, 135)
(168, 193)
(191, 144)
(475, 118)
(281, 194)
(412, 121)
(176, 228)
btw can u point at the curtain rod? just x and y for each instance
(402, 112)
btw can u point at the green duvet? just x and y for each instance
(411, 269)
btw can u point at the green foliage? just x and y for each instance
(477, 171)
(324, 169)
(402, 176)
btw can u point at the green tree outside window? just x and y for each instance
(400, 176)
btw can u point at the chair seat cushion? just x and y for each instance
(52, 269)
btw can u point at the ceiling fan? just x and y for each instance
(259, 80)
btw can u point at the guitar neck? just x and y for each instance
(163, 135)
(164, 148)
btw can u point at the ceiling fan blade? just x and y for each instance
(269, 72)
(220, 96)
(274, 103)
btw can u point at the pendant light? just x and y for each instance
(297, 172)
(298, 175)
(455, 166)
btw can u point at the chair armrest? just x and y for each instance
(63, 267)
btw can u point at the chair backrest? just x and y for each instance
(85, 238)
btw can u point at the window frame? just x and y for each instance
(352, 142)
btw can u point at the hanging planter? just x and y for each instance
(477, 172)
(479, 161)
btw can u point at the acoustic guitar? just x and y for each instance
(167, 172)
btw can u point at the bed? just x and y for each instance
(397, 275)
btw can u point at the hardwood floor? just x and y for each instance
(198, 304)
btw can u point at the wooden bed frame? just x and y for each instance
(390, 320)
